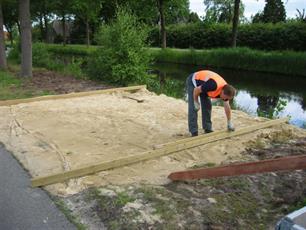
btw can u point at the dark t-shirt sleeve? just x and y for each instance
(208, 86)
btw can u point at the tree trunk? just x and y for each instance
(235, 23)
(18, 26)
(10, 31)
(87, 33)
(26, 38)
(41, 26)
(3, 64)
(64, 29)
(11, 37)
(162, 23)
(46, 21)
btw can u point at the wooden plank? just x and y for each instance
(223, 133)
(271, 165)
(185, 140)
(71, 95)
(166, 150)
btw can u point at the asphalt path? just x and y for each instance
(23, 207)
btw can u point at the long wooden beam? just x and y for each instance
(223, 133)
(71, 95)
(271, 165)
(169, 148)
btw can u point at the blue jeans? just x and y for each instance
(205, 109)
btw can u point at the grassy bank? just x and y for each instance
(286, 62)
(276, 62)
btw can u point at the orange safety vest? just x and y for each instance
(205, 75)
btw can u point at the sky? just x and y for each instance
(254, 6)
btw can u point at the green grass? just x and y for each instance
(77, 50)
(300, 204)
(11, 88)
(282, 62)
(123, 198)
(67, 212)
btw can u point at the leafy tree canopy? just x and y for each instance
(221, 11)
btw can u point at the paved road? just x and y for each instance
(22, 207)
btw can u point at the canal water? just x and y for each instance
(258, 94)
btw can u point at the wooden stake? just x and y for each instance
(169, 148)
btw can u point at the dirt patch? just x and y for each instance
(243, 202)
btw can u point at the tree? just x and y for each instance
(193, 17)
(274, 11)
(235, 23)
(123, 57)
(160, 5)
(221, 11)
(176, 11)
(10, 17)
(3, 64)
(301, 16)
(165, 12)
(40, 12)
(62, 9)
(88, 11)
(26, 38)
(257, 18)
(165, 9)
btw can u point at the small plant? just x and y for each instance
(123, 198)
(68, 213)
(298, 205)
(123, 57)
(279, 108)
(74, 68)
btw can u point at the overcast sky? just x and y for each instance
(253, 6)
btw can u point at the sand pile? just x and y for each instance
(58, 135)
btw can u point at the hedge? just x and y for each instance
(280, 36)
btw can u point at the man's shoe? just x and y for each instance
(194, 134)
(208, 131)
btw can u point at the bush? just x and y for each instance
(40, 55)
(123, 57)
(14, 54)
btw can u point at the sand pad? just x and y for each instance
(59, 135)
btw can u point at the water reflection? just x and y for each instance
(258, 94)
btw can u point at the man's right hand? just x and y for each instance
(196, 106)
(230, 126)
